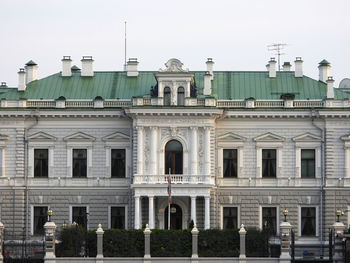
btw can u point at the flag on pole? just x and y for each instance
(169, 189)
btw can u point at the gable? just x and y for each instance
(307, 137)
(80, 136)
(41, 136)
(116, 137)
(269, 137)
(231, 137)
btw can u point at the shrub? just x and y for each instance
(171, 243)
(257, 242)
(218, 243)
(71, 240)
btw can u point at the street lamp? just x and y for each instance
(285, 213)
(338, 213)
(49, 213)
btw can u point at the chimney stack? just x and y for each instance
(131, 67)
(87, 66)
(207, 83)
(298, 67)
(286, 66)
(323, 69)
(66, 66)
(330, 89)
(31, 71)
(21, 80)
(272, 68)
(210, 65)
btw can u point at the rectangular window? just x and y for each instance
(79, 163)
(41, 162)
(269, 163)
(307, 163)
(308, 221)
(230, 217)
(230, 163)
(118, 217)
(40, 218)
(79, 216)
(118, 163)
(269, 219)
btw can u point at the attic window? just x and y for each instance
(167, 98)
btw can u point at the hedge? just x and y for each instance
(218, 243)
(71, 243)
(171, 243)
(257, 243)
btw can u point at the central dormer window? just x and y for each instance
(180, 96)
(167, 96)
(173, 157)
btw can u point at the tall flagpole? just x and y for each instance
(169, 199)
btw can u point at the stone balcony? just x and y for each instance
(175, 179)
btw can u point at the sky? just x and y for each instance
(234, 33)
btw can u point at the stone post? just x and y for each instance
(286, 228)
(99, 233)
(50, 238)
(194, 233)
(1, 240)
(147, 233)
(242, 234)
(338, 228)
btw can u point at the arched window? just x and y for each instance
(167, 97)
(180, 96)
(173, 157)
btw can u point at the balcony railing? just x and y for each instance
(175, 179)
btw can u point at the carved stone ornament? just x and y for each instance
(173, 65)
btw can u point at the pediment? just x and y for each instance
(345, 137)
(231, 137)
(41, 136)
(4, 137)
(307, 137)
(269, 137)
(116, 137)
(80, 136)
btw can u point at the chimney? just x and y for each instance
(87, 67)
(330, 89)
(31, 71)
(210, 65)
(272, 68)
(66, 66)
(286, 66)
(131, 67)
(21, 80)
(298, 67)
(323, 69)
(207, 83)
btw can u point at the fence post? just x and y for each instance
(50, 240)
(147, 233)
(242, 234)
(339, 228)
(99, 233)
(194, 233)
(1, 240)
(285, 241)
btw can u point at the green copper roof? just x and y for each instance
(31, 63)
(324, 63)
(75, 68)
(226, 85)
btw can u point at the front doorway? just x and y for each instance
(175, 217)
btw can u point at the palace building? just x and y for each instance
(239, 147)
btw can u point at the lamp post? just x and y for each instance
(338, 213)
(49, 213)
(285, 213)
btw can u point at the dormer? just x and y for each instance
(174, 83)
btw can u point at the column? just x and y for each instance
(137, 212)
(207, 150)
(193, 209)
(139, 150)
(194, 151)
(153, 158)
(151, 212)
(207, 212)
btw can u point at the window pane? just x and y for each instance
(180, 96)
(118, 217)
(230, 162)
(79, 163)
(308, 221)
(41, 157)
(40, 218)
(118, 163)
(269, 163)
(230, 217)
(79, 216)
(173, 157)
(173, 146)
(167, 97)
(269, 219)
(308, 163)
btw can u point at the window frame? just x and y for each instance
(3, 142)
(110, 214)
(268, 160)
(86, 162)
(307, 160)
(32, 209)
(316, 221)
(125, 164)
(87, 216)
(222, 215)
(223, 163)
(48, 162)
(277, 217)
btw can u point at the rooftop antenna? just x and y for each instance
(277, 47)
(125, 46)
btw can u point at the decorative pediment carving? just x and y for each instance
(42, 136)
(269, 137)
(116, 137)
(307, 137)
(231, 137)
(80, 137)
(173, 65)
